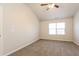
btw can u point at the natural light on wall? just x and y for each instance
(57, 28)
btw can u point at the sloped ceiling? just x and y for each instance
(65, 10)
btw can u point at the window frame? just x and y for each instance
(63, 29)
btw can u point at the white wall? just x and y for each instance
(76, 28)
(44, 30)
(20, 27)
(1, 30)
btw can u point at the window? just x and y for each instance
(57, 28)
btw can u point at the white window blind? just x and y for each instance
(57, 28)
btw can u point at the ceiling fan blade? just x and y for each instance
(44, 4)
(56, 6)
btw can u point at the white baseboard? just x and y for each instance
(20, 48)
(76, 43)
(58, 40)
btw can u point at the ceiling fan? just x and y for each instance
(50, 5)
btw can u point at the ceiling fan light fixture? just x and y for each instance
(51, 5)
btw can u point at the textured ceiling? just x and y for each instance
(65, 10)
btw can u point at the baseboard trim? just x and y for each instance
(57, 40)
(76, 43)
(20, 48)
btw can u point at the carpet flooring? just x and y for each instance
(49, 48)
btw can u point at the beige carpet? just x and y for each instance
(49, 48)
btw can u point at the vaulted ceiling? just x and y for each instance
(65, 10)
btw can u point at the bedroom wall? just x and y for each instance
(44, 30)
(1, 30)
(76, 27)
(20, 27)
